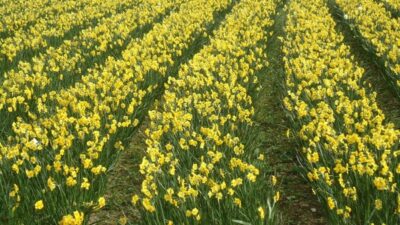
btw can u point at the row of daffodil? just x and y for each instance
(350, 152)
(379, 32)
(18, 14)
(63, 66)
(201, 164)
(55, 161)
(83, 13)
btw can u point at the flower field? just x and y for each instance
(155, 112)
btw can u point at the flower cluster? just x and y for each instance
(201, 164)
(350, 152)
(394, 4)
